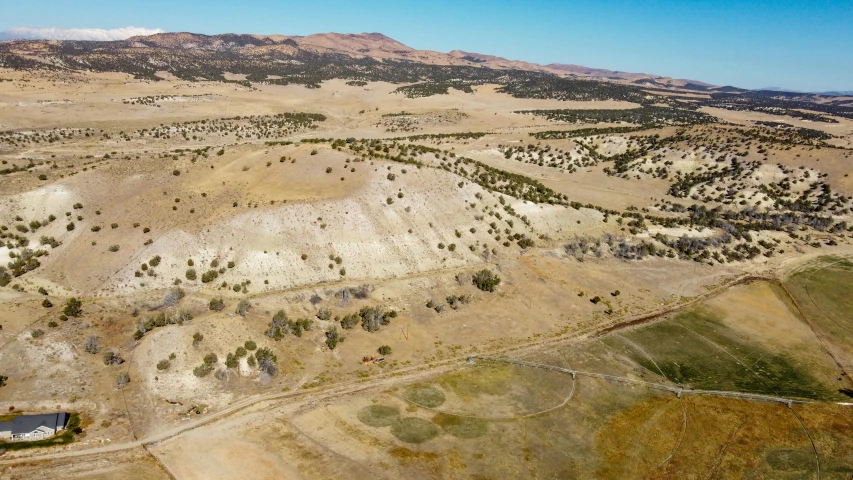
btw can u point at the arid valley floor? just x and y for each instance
(673, 298)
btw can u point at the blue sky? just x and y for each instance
(803, 45)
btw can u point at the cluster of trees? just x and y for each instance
(247, 127)
(371, 318)
(428, 89)
(281, 325)
(262, 358)
(546, 156)
(617, 246)
(154, 100)
(144, 326)
(646, 116)
(25, 261)
(455, 301)
(586, 132)
(771, 106)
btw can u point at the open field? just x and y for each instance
(242, 274)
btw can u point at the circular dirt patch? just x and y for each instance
(426, 396)
(378, 415)
(461, 427)
(414, 430)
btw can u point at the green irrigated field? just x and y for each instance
(822, 292)
(696, 349)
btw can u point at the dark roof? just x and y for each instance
(28, 423)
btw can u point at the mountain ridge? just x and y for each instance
(380, 46)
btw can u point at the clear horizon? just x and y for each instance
(799, 46)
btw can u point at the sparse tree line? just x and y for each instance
(262, 358)
(646, 116)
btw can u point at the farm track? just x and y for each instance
(407, 375)
(679, 391)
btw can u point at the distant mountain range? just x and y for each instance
(379, 46)
(202, 56)
(788, 90)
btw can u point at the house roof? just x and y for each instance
(28, 423)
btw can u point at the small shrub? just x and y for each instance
(250, 345)
(486, 281)
(209, 276)
(384, 350)
(163, 365)
(112, 358)
(114, 248)
(231, 361)
(122, 380)
(216, 304)
(92, 344)
(243, 307)
(333, 338)
(266, 361)
(173, 296)
(73, 308)
(191, 274)
(46, 303)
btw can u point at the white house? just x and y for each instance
(33, 427)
